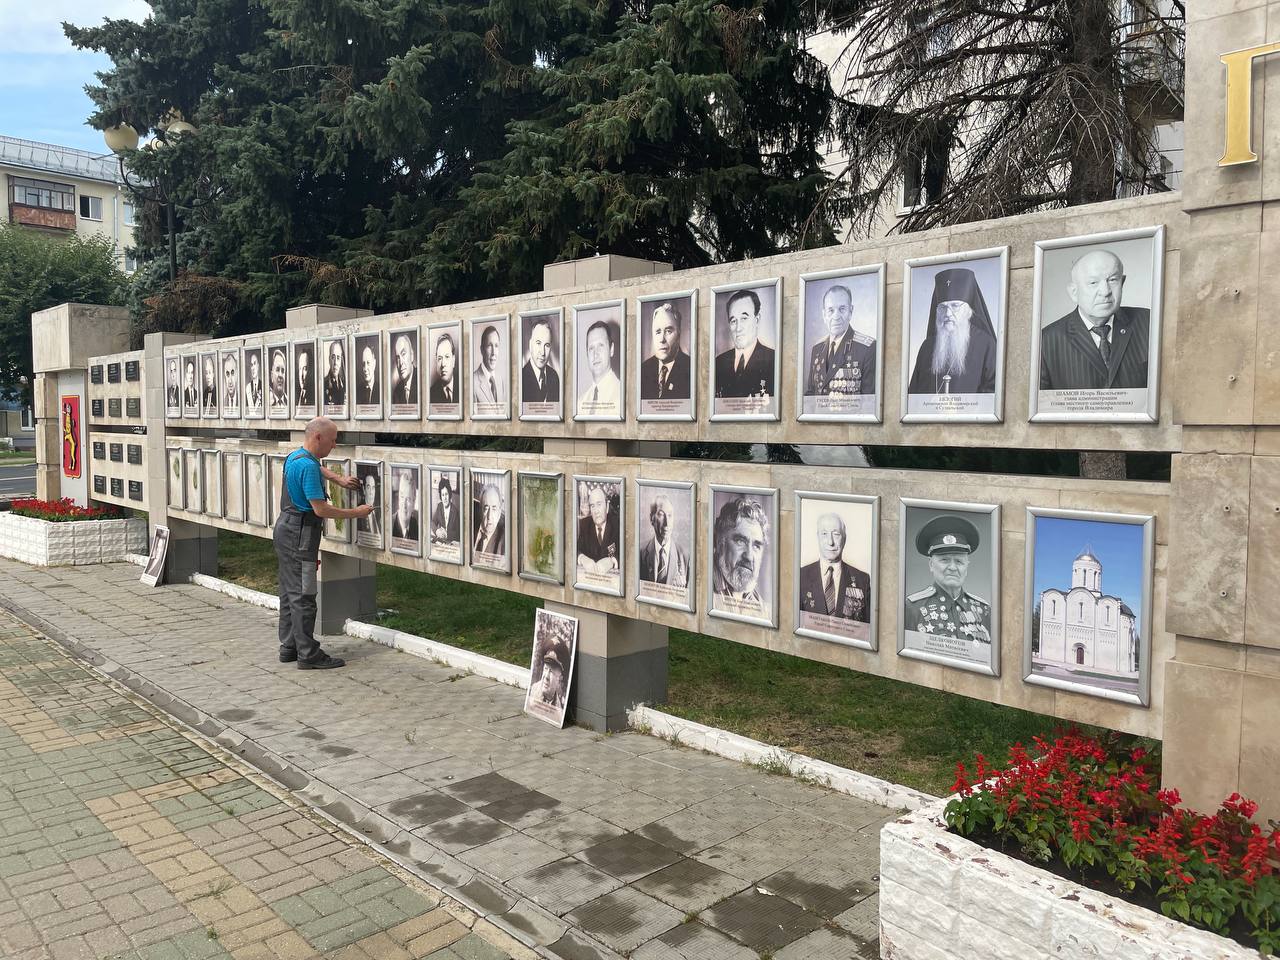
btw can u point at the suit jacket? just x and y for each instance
(849, 604)
(451, 533)
(1070, 358)
(171, 396)
(529, 392)
(496, 543)
(190, 397)
(368, 396)
(677, 382)
(591, 546)
(980, 366)
(253, 395)
(436, 393)
(209, 400)
(405, 394)
(850, 370)
(480, 392)
(306, 396)
(411, 533)
(335, 391)
(755, 380)
(677, 564)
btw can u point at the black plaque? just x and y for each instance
(117, 452)
(99, 450)
(113, 407)
(99, 483)
(95, 373)
(113, 373)
(132, 370)
(135, 453)
(95, 408)
(135, 489)
(133, 407)
(117, 487)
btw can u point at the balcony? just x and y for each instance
(42, 218)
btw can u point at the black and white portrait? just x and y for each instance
(491, 375)
(233, 485)
(1096, 336)
(835, 560)
(367, 358)
(406, 508)
(339, 529)
(841, 332)
(555, 646)
(949, 577)
(229, 383)
(666, 525)
(211, 480)
(667, 339)
(405, 382)
(490, 498)
(305, 397)
(598, 534)
(153, 572)
(444, 396)
(541, 391)
(746, 323)
(278, 381)
(255, 489)
(254, 383)
(333, 388)
(190, 386)
(953, 336)
(445, 506)
(172, 387)
(599, 361)
(209, 385)
(744, 554)
(369, 529)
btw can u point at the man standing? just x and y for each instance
(443, 387)
(666, 375)
(829, 586)
(539, 382)
(844, 362)
(741, 538)
(335, 380)
(303, 507)
(603, 396)
(491, 533)
(445, 525)
(404, 372)
(488, 383)
(253, 389)
(958, 354)
(1100, 345)
(946, 609)
(661, 559)
(598, 535)
(279, 381)
(746, 369)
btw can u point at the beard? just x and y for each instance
(950, 347)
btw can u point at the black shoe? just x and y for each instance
(288, 656)
(322, 662)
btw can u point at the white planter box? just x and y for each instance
(943, 897)
(46, 544)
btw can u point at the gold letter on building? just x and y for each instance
(1240, 101)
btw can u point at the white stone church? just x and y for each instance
(1084, 630)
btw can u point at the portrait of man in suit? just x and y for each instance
(172, 388)
(489, 525)
(741, 542)
(489, 394)
(335, 377)
(279, 383)
(959, 352)
(829, 586)
(404, 373)
(405, 537)
(209, 385)
(667, 373)
(539, 381)
(444, 384)
(253, 382)
(598, 535)
(190, 392)
(662, 560)
(600, 389)
(304, 387)
(369, 528)
(368, 376)
(230, 384)
(746, 369)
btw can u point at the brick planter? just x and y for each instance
(942, 896)
(46, 544)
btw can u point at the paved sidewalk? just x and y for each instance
(579, 844)
(121, 837)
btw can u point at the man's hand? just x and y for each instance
(364, 510)
(348, 482)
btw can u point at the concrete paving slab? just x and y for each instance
(625, 918)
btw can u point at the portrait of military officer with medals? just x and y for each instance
(835, 553)
(950, 561)
(841, 328)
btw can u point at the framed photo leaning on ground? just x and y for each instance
(444, 541)
(746, 324)
(153, 572)
(490, 353)
(541, 512)
(598, 527)
(841, 340)
(667, 356)
(555, 647)
(837, 552)
(490, 501)
(743, 548)
(599, 365)
(666, 541)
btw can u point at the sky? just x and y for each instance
(42, 77)
(1118, 546)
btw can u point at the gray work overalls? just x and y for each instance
(297, 541)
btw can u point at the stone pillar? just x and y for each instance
(193, 548)
(591, 271)
(347, 590)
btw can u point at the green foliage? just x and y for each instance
(38, 271)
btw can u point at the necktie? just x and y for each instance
(595, 395)
(480, 540)
(493, 390)
(1104, 341)
(662, 381)
(741, 365)
(448, 394)
(831, 590)
(660, 575)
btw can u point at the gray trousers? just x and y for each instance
(297, 541)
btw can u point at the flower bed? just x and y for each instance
(68, 539)
(62, 511)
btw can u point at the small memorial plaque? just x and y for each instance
(113, 373)
(99, 450)
(135, 453)
(133, 407)
(99, 484)
(113, 407)
(96, 408)
(117, 452)
(135, 489)
(95, 373)
(117, 487)
(132, 370)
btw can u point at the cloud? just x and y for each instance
(37, 27)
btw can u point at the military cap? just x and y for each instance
(947, 533)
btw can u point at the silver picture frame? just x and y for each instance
(689, 336)
(409, 409)
(555, 415)
(374, 534)
(522, 570)
(405, 546)
(176, 469)
(334, 411)
(250, 411)
(503, 480)
(231, 411)
(277, 411)
(453, 329)
(594, 582)
(233, 480)
(193, 480)
(876, 414)
(581, 364)
(435, 551)
(664, 594)
(367, 407)
(256, 511)
(768, 604)
(211, 467)
(207, 412)
(338, 530)
(816, 629)
(303, 411)
(768, 416)
(478, 407)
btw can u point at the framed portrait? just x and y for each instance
(490, 497)
(255, 490)
(490, 339)
(949, 578)
(229, 383)
(277, 381)
(555, 647)
(837, 551)
(306, 402)
(406, 509)
(541, 342)
(1089, 579)
(444, 395)
(746, 325)
(153, 572)
(177, 474)
(233, 485)
(953, 333)
(193, 471)
(742, 544)
(841, 332)
(190, 386)
(369, 529)
(667, 353)
(599, 527)
(1095, 342)
(666, 525)
(338, 529)
(599, 366)
(211, 471)
(208, 385)
(367, 356)
(444, 496)
(337, 374)
(541, 502)
(252, 370)
(275, 485)
(172, 386)
(404, 383)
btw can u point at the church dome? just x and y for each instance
(1088, 556)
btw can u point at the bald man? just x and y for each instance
(1100, 345)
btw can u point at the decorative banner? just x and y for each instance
(69, 406)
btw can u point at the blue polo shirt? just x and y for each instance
(303, 480)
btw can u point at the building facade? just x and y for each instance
(1083, 629)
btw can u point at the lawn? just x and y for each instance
(16, 458)
(904, 733)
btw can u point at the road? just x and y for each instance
(17, 481)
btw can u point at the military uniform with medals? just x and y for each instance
(845, 371)
(932, 610)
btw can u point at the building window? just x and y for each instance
(130, 263)
(924, 172)
(28, 419)
(90, 207)
(130, 215)
(42, 193)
